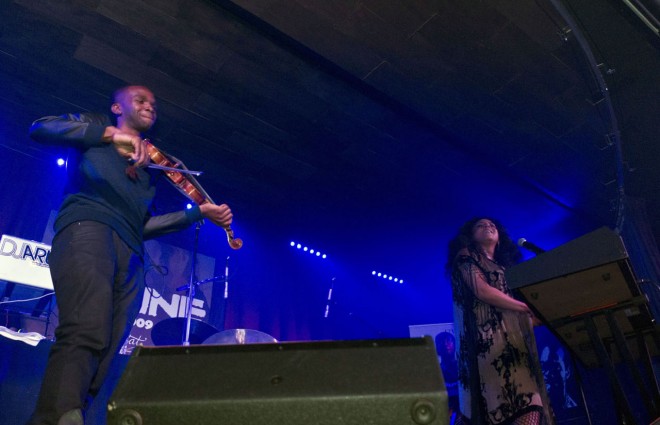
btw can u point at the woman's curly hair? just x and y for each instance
(507, 252)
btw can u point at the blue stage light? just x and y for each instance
(61, 161)
(386, 276)
(312, 251)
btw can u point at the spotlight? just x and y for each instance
(189, 206)
(60, 162)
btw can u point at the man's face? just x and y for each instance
(135, 108)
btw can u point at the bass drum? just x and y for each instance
(171, 331)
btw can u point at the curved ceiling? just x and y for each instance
(350, 110)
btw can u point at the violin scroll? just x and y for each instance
(234, 243)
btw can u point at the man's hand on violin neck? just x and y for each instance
(128, 145)
(218, 214)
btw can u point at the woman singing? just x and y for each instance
(500, 379)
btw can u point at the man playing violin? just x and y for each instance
(96, 258)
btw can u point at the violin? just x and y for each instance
(188, 186)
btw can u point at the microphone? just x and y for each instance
(524, 243)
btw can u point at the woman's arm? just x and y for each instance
(472, 277)
(493, 296)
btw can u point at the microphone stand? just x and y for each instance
(225, 295)
(326, 313)
(185, 338)
(191, 288)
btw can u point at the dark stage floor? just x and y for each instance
(22, 367)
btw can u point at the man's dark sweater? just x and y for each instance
(99, 188)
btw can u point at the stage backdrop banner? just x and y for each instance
(166, 269)
(26, 262)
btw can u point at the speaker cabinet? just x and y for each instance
(393, 381)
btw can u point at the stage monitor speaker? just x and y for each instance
(391, 381)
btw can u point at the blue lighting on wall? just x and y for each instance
(308, 250)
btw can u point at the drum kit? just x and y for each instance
(186, 330)
(170, 331)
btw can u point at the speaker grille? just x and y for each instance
(396, 381)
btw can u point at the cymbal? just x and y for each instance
(170, 331)
(239, 336)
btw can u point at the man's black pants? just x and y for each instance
(96, 278)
